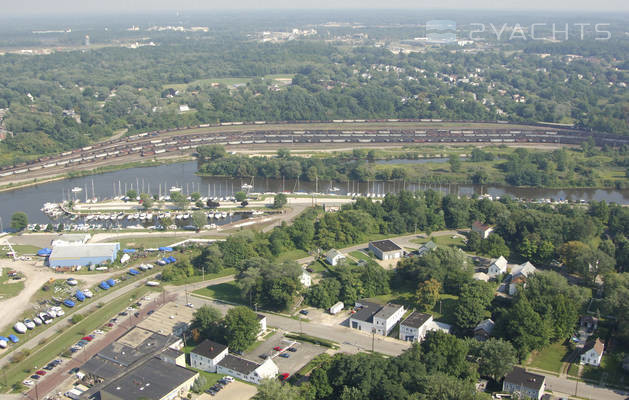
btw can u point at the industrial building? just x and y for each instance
(83, 254)
(386, 249)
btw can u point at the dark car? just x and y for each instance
(136, 314)
(124, 313)
(284, 355)
(150, 312)
(35, 376)
(293, 349)
(309, 270)
(303, 312)
(263, 356)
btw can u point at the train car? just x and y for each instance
(155, 141)
(63, 162)
(259, 122)
(86, 148)
(148, 153)
(20, 171)
(35, 167)
(204, 126)
(8, 173)
(50, 165)
(66, 153)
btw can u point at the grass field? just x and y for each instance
(16, 372)
(359, 255)
(227, 81)
(201, 278)
(149, 241)
(292, 255)
(8, 287)
(224, 291)
(549, 359)
(25, 249)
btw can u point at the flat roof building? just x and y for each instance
(170, 319)
(415, 326)
(524, 383)
(374, 317)
(83, 254)
(385, 249)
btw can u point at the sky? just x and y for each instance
(138, 6)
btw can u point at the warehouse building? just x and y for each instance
(83, 255)
(386, 249)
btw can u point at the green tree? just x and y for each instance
(428, 294)
(179, 200)
(495, 357)
(272, 389)
(132, 194)
(19, 221)
(283, 153)
(455, 162)
(242, 327)
(199, 219)
(279, 200)
(207, 320)
(240, 196)
(210, 259)
(442, 352)
(471, 307)
(147, 201)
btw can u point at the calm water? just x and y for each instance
(158, 179)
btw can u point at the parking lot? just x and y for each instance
(295, 360)
(322, 317)
(233, 391)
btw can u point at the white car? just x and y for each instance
(190, 305)
(37, 321)
(28, 382)
(29, 323)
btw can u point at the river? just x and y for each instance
(160, 178)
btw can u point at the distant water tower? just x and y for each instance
(87, 40)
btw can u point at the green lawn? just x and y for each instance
(573, 370)
(16, 372)
(25, 249)
(319, 266)
(359, 255)
(549, 359)
(210, 378)
(201, 278)
(611, 367)
(228, 291)
(8, 289)
(292, 255)
(444, 309)
(143, 242)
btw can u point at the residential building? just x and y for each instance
(386, 249)
(483, 330)
(519, 275)
(483, 229)
(415, 326)
(524, 383)
(427, 247)
(374, 317)
(262, 321)
(333, 257)
(154, 380)
(589, 323)
(497, 267)
(247, 370)
(84, 254)
(207, 355)
(593, 353)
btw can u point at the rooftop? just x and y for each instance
(520, 377)
(597, 345)
(73, 237)
(388, 310)
(486, 325)
(102, 368)
(209, 349)
(386, 245)
(152, 380)
(480, 226)
(168, 318)
(416, 319)
(333, 253)
(134, 345)
(238, 364)
(84, 250)
(366, 312)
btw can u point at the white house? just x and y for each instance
(207, 355)
(262, 321)
(519, 275)
(483, 229)
(593, 353)
(305, 279)
(247, 370)
(333, 257)
(386, 249)
(371, 316)
(415, 326)
(498, 267)
(524, 383)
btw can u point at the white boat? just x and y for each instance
(334, 189)
(88, 293)
(20, 327)
(152, 283)
(37, 321)
(45, 318)
(60, 313)
(3, 344)
(29, 324)
(210, 215)
(77, 189)
(246, 186)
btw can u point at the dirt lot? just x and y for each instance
(296, 360)
(322, 317)
(234, 391)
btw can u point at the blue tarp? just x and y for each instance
(172, 259)
(103, 285)
(6, 339)
(166, 260)
(68, 303)
(13, 338)
(110, 282)
(44, 252)
(129, 250)
(79, 296)
(134, 271)
(165, 249)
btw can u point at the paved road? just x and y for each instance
(564, 387)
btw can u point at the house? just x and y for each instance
(371, 317)
(415, 326)
(386, 249)
(589, 323)
(483, 229)
(483, 330)
(333, 257)
(84, 254)
(247, 370)
(427, 247)
(524, 383)
(262, 321)
(207, 355)
(497, 267)
(154, 379)
(481, 276)
(593, 353)
(519, 275)
(305, 279)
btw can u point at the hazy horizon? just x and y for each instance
(73, 7)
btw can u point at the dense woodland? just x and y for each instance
(69, 98)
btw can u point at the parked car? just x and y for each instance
(293, 349)
(150, 312)
(284, 376)
(41, 373)
(303, 312)
(284, 355)
(35, 376)
(28, 382)
(277, 348)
